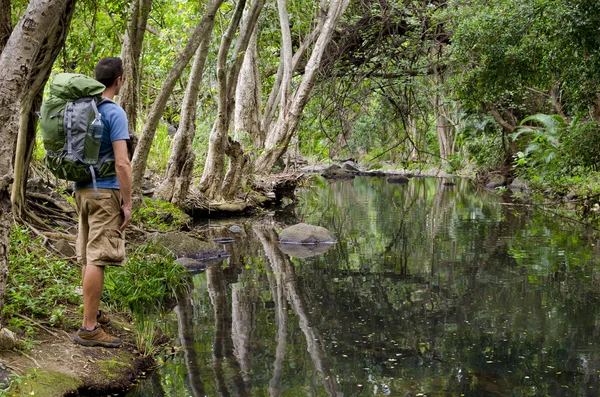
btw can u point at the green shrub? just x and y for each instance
(159, 214)
(148, 280)
(39, 284)
(160, 150)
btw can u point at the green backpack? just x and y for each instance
(72, 128)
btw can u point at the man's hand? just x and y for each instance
(126, 210)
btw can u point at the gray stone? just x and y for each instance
(304, 251)
(399, 179)
(235, 229)
(65, 248)
(495, 180)
(350, 166)
(518, 185)
(185, 246)
(337, 173)
(305, 234)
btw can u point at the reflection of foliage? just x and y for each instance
(430, 290)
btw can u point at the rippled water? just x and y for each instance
(432, 290)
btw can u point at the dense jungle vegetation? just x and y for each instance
(221, 92)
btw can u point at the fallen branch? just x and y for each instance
(59, 236)
(36, 323)
(52, 200)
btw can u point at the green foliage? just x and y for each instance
(159, 214)
(148, 280)
(39, 284)
(481, 142)
(160, 150)
(552, 155)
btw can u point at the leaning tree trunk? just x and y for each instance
(30, 103)
(280, 135)
(246, 115)
(175, 186)
(5, 23)
(211, 183)
(142, 151)
(20, 53)
(131, 52)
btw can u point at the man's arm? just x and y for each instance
(123, 168)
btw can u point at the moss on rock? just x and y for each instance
(45, 384)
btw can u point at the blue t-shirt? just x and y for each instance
(115, 129)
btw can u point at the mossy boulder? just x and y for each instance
(186, 246)
(337, 173)
(306, 235)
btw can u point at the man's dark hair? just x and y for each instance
(108, 70)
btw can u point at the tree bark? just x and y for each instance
(20, 52)
(279, 136)
(142, 151)
(30, 103)
(247, 97)
(5, 22)
(175, 186)
(211, 183)
(131, 52)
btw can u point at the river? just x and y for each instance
(431, 290)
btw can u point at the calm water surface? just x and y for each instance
(432, 290)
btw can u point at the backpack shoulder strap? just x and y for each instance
(103, 100)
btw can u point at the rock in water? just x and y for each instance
(185, 246)
(306, 234)
(495, 180)
(305, 251)
(335, 172)
(398, 179)
(350, 166)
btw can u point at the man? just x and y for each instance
(104, 216)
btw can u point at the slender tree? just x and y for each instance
(142, 151)
(175, 185)
(292, 105)
(211, 183)
(17, 62)
(130, 53)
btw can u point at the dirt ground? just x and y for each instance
(55, 366)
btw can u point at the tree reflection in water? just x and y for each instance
(431, 289)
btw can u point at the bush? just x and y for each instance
(39, 285)
(150, 279)
(158, 214)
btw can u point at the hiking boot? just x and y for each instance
(97, 337)
(102, 318)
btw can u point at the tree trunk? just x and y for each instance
(275, 95)
(17, 62)
(247, 97)
(131, 52)
(30, 103)
(279, 136)
(142, 151)
(212, 178)
(5, 22)
(175, 186)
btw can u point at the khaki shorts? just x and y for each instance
(100, 242)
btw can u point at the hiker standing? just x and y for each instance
(104, 207)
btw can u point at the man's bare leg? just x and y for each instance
(92, 292)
